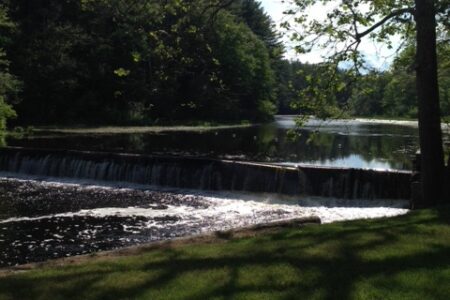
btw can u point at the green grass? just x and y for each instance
(406, 257)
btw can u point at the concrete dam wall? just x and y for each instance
(208, 174)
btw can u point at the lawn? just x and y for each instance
(406, 257)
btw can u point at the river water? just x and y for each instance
(44, 218)
(41, 220)
(354, 144)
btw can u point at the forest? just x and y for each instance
(236, 149)
(119, 62)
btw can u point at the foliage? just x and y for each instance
(116, 61)
(8, 83)
(291, 78)
(348, 23)
(245, 67)
(367, 95)
(341, 33)
(444, 77)
(398, 258)
(251, 13)
(392, 93)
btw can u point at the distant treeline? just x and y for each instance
(390, 93)
(393, 93)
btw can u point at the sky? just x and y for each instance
(378, 56)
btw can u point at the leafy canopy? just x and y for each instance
(152, 61)
(349, 23)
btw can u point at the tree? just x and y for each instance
(392, 93)
(350, 21)
(254, 16)
(245, 68)
(9, 85)
(367, 95)
(140, 62)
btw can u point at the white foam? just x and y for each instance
(236, 209)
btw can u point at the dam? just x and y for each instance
(208, 174)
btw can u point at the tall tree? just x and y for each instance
(432, 166)
(350, 21)
(8, 83)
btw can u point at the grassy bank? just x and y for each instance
(187, 126)
(401, 258)
(138, 129)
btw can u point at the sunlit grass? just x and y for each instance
(407, 257)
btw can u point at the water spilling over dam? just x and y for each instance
(208, 174)
(79, 202)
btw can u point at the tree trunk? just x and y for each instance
(432, 154)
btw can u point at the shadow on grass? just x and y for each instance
(404, 257)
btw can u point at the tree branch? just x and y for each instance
(393, 14)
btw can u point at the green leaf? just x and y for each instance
(121, 72)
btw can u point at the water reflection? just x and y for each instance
(342, 144)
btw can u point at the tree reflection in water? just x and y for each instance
(342, 145)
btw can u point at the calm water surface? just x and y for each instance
(338, 143)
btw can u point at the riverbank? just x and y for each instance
(399, 258)
(445, 119)
(191, 126)
(364, 120)
(207, 126)
(137, 129)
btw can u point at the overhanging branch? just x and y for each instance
(393, 14)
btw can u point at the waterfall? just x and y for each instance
(208, 174)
